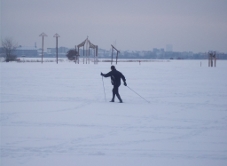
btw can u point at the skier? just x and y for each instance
(116, 77)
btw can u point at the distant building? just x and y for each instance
(51, 50)
(159, 53)
(23, 51)
(62, 51)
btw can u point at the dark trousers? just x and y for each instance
(115, 92)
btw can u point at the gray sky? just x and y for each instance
(189, 25)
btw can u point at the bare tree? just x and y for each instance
(9, 46)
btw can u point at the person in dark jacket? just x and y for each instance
(116, 77)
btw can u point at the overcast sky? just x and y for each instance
(188, 25)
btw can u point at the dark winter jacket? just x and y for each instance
(116, 77)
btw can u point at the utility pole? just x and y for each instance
(57, 36)
(43, 35)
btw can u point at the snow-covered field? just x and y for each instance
(56, 115)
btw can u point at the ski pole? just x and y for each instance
(138, 94)
(104, 88)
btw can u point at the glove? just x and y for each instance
(125, 84)
(102, 74)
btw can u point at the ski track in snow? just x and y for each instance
(53, 114)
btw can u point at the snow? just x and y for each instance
(56, 114)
